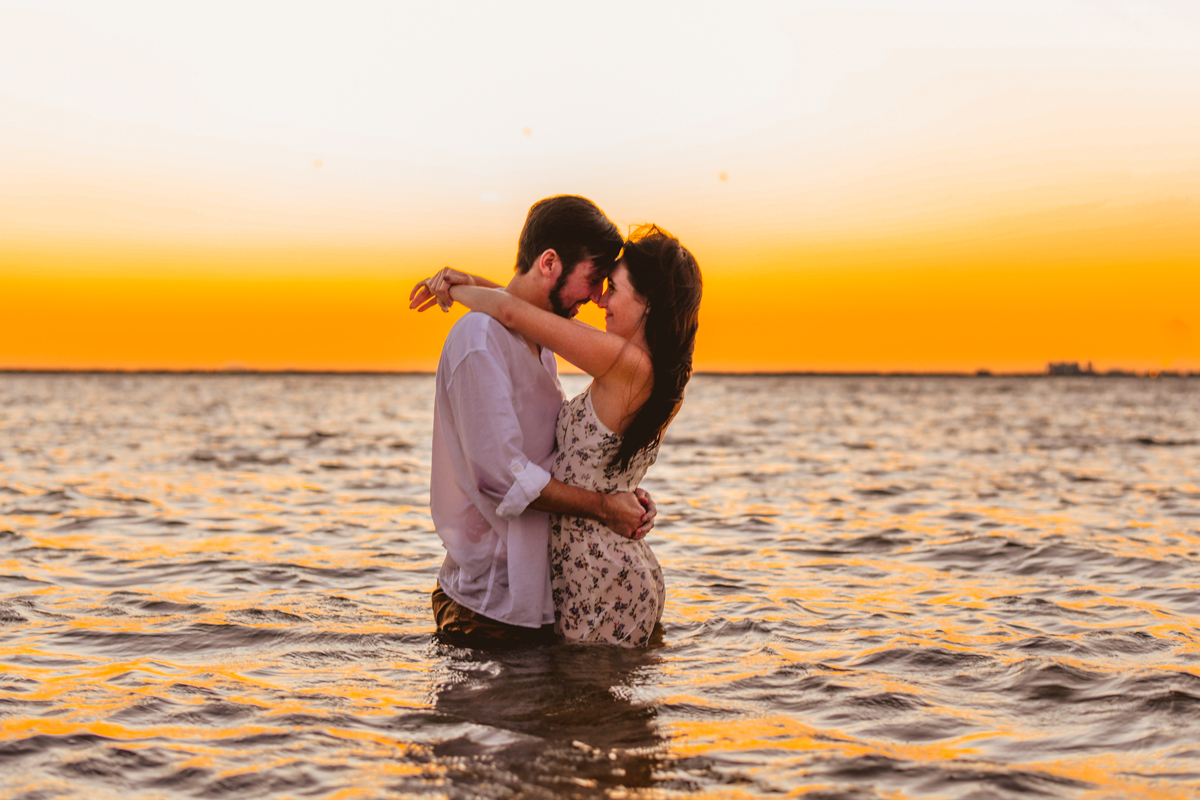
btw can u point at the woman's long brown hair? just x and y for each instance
(666, 274)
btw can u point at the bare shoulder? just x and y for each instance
(634, 366)
(619, 394)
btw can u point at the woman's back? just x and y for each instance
(585, 449)
(607, 589)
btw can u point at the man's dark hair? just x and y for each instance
(574, 228)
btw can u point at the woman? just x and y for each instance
(608, 588)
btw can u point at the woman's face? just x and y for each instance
(625, 309)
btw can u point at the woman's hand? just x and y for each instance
(436, 290)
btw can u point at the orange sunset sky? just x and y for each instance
(875, 186)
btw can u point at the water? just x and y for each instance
(218, 587)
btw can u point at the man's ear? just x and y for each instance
(549, 265)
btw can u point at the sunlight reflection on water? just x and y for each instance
(218, 586)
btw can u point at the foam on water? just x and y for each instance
(218, 587)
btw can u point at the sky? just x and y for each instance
(912, 185)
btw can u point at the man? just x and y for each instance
(495, 409)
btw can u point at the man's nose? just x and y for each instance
(597, 293)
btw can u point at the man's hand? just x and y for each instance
(628, 514)
(436, 290)
(622, 513)
(650, 511)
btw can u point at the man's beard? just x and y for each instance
(556, 301)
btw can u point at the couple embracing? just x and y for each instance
(534, 496)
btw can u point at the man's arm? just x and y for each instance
(498, 468)
(624, 513)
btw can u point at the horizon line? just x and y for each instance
(982, 373)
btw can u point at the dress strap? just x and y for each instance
(587, 400)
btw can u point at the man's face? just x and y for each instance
(575, 288)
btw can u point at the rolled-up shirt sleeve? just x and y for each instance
(481, 397)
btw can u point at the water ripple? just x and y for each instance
(906, 587)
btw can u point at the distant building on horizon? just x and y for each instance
(1069, 368)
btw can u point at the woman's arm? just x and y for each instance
(433, 290)
(594, 351)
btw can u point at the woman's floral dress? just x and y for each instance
(607, 588)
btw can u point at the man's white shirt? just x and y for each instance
(494, 417)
